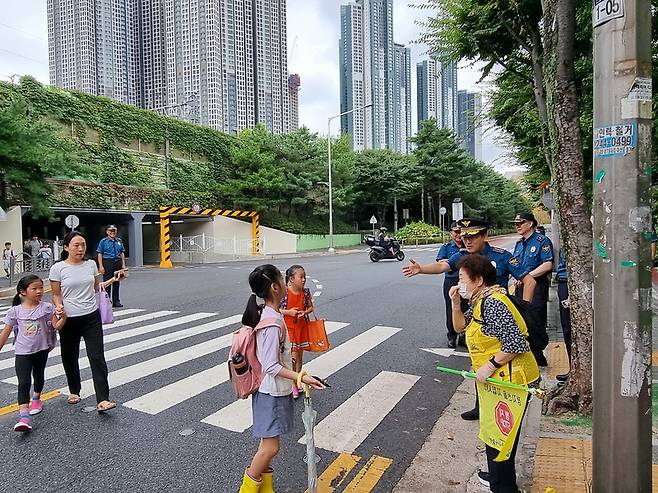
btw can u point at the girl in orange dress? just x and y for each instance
(295, 307)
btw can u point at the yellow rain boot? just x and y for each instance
(249, 484)
(267, 480)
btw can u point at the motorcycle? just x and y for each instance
(378, 252)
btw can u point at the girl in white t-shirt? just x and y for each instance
(74, 283)
(272, 405)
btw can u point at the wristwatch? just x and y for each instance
(494, 362)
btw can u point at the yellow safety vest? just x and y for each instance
(522, 369)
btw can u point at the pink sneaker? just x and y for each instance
(23, 425)
(36, 407)
(295, 392)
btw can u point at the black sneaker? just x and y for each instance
(117, 305)
(452, 344)
(472, 415)
(562, 378)
(483, 477)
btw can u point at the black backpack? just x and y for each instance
(532, 316)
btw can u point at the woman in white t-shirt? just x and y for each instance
(74, 283)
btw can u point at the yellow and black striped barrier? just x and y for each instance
(165, 233)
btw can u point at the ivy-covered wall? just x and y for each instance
(124, 145)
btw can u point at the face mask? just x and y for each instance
(464, 292)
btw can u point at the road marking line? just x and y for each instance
(149, 367)
(119, 323)
(334, 475)
(127, 311)
(318, 286)
(139, 318)
(350, 423)
(368, 477)
(13, 408)
(317, 293)
(237, 416)
(315, 280)
(165, 397)
(120, 352)
(118, 336)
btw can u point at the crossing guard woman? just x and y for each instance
(496, 337)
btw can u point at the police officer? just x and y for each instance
(565, 311)
(451, 279)
(111, 259)
(474, 236)
(534, 254)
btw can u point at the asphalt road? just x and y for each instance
(389, 319)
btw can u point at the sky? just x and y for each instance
(313, 33)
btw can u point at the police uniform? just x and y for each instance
(530, 253)
(563, 298)
(451, 279)
(111, 250)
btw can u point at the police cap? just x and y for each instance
(455, 226)
(525, 216)
(471, 226)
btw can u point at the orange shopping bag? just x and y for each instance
(317, 336)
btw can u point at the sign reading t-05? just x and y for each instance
(605, 10)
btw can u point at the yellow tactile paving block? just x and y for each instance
(558, 361)
(566, 466)
(654, 358)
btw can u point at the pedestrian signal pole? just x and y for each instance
(622, 224)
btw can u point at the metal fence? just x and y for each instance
(204, 248)
(24, 263)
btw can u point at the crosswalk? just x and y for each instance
(141, 344)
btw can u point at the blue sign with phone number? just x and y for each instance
(614, 140)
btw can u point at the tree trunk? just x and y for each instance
(567, 154)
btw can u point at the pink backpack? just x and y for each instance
(244, 342)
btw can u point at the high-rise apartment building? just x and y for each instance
(368, 75)
(437, 92)
(401, 130)
(93, 46)
(222, 64)
(294, 81)
(470, 128)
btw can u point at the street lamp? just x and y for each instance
(331, 196)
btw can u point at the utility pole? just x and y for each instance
(622, 268)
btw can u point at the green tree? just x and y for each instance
(30, 153)
(381, 176)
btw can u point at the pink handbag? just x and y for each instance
(105, 307)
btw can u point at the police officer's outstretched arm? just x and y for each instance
(415, 268)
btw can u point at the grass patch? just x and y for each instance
(654, 404)
(581, 421)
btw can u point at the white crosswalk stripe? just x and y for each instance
(237, 416)
(125, 334)
(137, 347)
(118, 323)
(170, 395)
(344, 429)
(351, 423)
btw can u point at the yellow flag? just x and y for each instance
(501, 412)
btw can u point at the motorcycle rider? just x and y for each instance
(384, 241)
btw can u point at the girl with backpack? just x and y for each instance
(296, 305)
(272, 405)
(34, 323)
